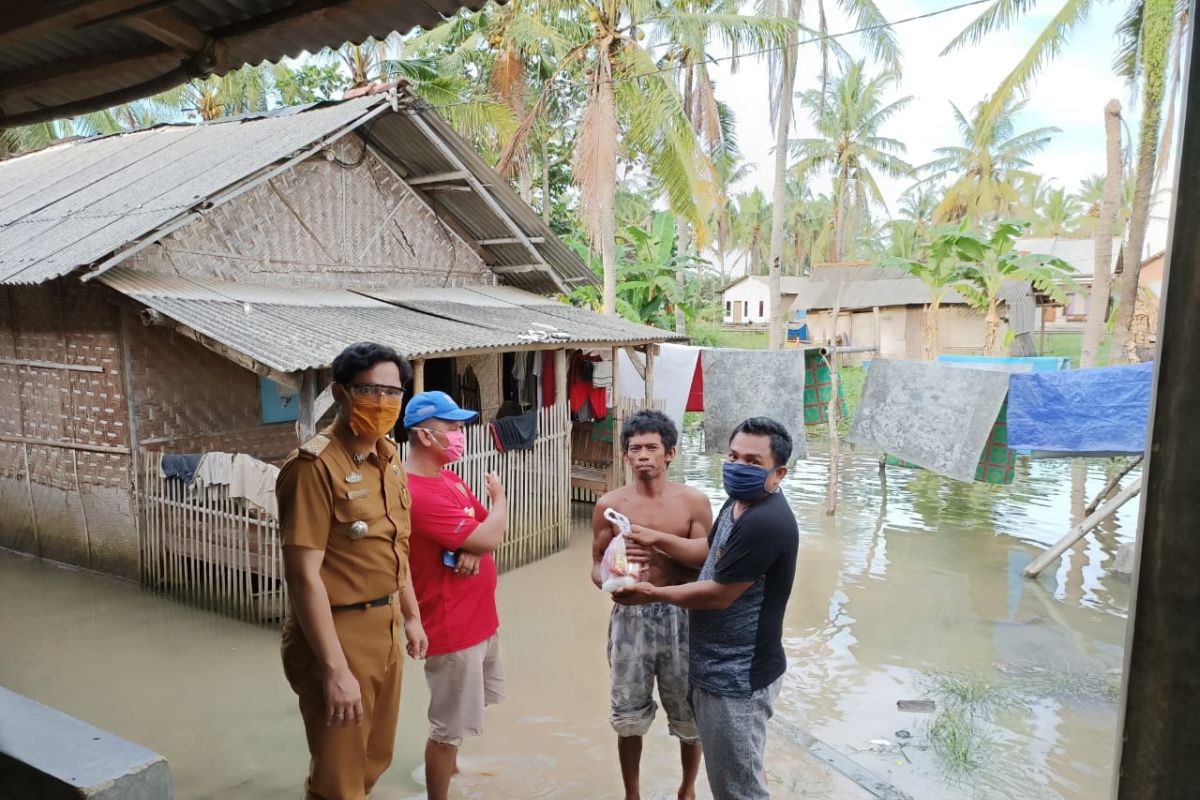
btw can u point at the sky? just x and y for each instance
(1070, 94)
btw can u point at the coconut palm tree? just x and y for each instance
(849, 115)
(808, 229)
(751, 230)
(1057, 214)
(633, 111)
(986, 169)
(880, 41)
(992, 262)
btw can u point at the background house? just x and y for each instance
(183, 289)
(885, 307)
(747, 300)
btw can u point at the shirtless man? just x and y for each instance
(670, 525)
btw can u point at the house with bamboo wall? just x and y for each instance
(162, 289)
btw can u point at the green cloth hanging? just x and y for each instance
(818, 388)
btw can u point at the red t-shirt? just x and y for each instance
(457, 611)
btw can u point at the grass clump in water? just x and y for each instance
(959, 738)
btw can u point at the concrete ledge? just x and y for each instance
(47, 755)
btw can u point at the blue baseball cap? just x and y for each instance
(435, 405)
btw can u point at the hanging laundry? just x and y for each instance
(673, 372)
(515, 433)
(582, 391)
(254, 481)
(602, 370)
(997, 464)
(695, 401)
(1101, 411)
(549, 387)
(746, 383)
(818, 388)
(215, 469)
(1035, 363)
(934, 415)
(180, 466)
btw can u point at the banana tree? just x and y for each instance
(993, 262)
(942, 263)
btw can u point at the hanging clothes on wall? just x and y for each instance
(215, 469)
(584, 394)
(180, 466)
(549, 382)
(739, 384)
(515, 433)
(254, 481)
(469, 394)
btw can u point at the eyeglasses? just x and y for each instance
(367, 389)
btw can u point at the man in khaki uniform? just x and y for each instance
(344, 520)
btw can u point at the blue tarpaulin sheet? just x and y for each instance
(1039, 363)
(1082, 411)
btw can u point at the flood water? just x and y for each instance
(907, 594)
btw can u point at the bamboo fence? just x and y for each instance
(206, 549)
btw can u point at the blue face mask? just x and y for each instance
(744, 481)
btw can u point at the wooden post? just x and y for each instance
(131, 414)
(650, 353)
(560, 377)
(418, 376)
(832, 413)
(306, 424)
(1112, 484)
(1080, 530)
(614, 401)
(878, 329)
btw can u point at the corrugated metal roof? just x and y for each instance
(75, 204)
(868, 287)
(292, 331)
(62, 58)
(530, 314)
(1079, 253)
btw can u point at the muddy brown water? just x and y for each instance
(920, 580)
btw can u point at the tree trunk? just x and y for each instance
(545, 181)
(929, 345)
(992, 330)
(1093, 329)
(786, 89)
(1157, 22)
(684, 245)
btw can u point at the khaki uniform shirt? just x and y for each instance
(323, 495)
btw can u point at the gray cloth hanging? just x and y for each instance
(739, 384)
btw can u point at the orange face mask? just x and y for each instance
(373, 415)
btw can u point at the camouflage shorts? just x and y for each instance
(645, 643)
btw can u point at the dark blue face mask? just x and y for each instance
(745, 481)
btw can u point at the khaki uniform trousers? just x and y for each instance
(346, 762)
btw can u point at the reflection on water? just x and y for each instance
(919, 575)
(923, 579)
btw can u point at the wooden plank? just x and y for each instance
(86, 448)
(24, 362)
(438, 177)
(1112, 484)
(1079, 531)
(172, 31)
(27, 20)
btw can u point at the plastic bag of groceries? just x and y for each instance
(616, 570)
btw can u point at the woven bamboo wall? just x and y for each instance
(191, 400)
(65, 473)
(321, 224)
(487, 370)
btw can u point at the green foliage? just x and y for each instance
(647, 263)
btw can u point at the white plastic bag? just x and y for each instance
(616, 570)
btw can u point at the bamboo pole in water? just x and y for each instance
(831, 489)
(1079, 531)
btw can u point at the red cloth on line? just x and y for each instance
(695, 401)
(547, 378)
(457, 611)
(581, 390)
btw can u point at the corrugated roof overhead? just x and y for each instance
(73, 205)
(60, 58)
(290, 331)
(80, 204)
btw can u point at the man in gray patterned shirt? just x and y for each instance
(737, 660)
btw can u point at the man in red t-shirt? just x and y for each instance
(454, 575)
